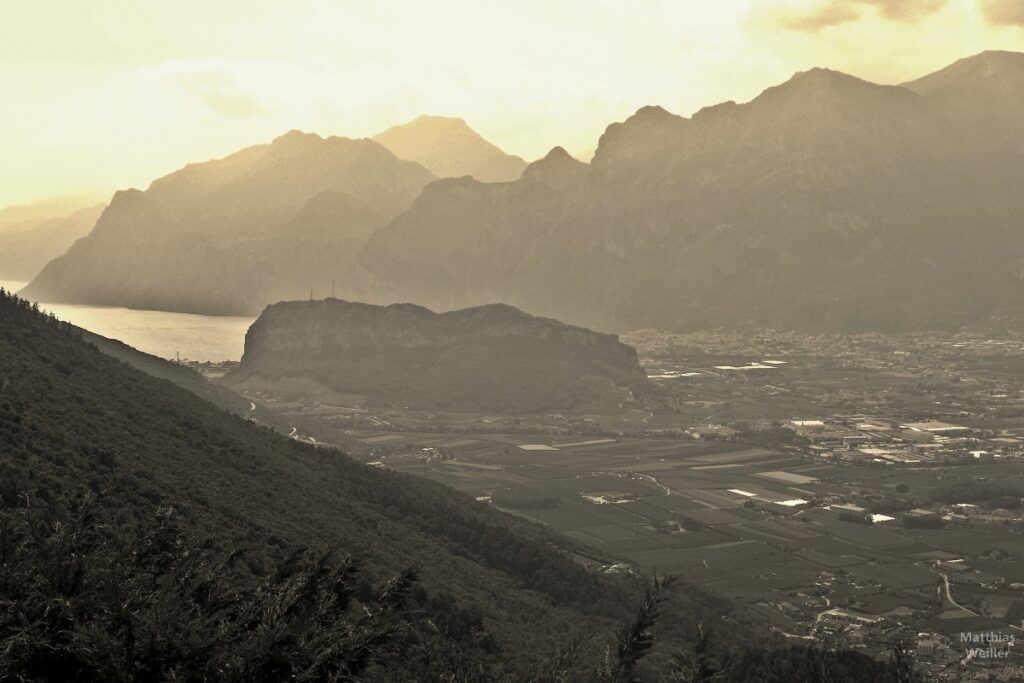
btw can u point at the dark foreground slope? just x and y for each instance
(180, 375)
(75, 423)
(492, 358)
(146, 535)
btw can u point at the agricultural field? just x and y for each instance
(750, 523)
(727, 485)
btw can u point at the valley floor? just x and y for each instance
(747, 488)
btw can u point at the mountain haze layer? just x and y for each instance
(231, 235)
(826, 203)
(449, 148)
(493, 358)
(21, 217)
(27, 246)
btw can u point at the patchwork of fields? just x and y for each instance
(750, 523)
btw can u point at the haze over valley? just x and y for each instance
(558, 342)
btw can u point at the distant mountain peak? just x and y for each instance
(819, 78)
(1009, 56)
(827, 89)
(557, 152)
(448, 147)
(999, 70)
(643, 132)
(990, 60)
(454, 122)
(293, 136)
(297, 142)
(653, 112)
(558, 168)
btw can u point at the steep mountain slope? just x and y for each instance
(449, 148)
(826, 203)
(983, 97)
(493, 358)
(989, 82)
(180, 375)
(146, 535)
(28, 246)
(73, 421)
(217, 237)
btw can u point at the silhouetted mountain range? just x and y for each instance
(21, 217)
(826, 203)
(449, 148)
(27, 246)
(230, 235)
(493, 357)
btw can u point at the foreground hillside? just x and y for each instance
(491, 358)
(75, 423)
(231, 235)
(145, 535)
(826, 203)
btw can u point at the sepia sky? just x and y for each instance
(107, 94)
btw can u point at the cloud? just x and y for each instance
(1004, 12)
(221, 92)
(906, 10)
(836, 12)
(832, 14)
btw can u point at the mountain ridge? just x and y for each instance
(449, 148)
(207, 238)
(489, 357)
(826, 203)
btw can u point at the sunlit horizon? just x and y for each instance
(113, 94)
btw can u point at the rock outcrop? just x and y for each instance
(488, 358)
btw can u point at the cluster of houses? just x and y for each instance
(865, 440)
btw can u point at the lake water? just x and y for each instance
(195, 337)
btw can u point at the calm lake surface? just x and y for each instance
(195, 337)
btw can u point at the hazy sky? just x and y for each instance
(102, 94)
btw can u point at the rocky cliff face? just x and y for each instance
(491, 358)
(26, 248)
(827, 203)
(229, 236)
